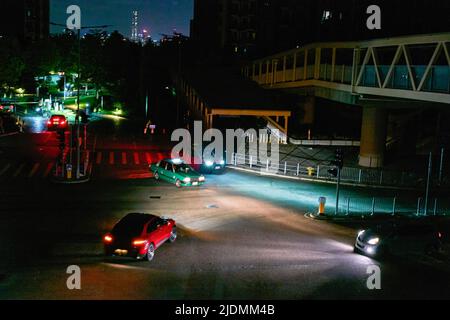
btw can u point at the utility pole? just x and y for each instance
(76, 25)
(146, 105)
(338, 189)
(441, 167)
(427, 193)
(338, 163)
(178, 80)
(77, 117)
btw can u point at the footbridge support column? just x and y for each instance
(373, 137)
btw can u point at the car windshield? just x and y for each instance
(183, 168)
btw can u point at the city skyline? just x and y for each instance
(159, 17)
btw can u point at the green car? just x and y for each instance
(178, 172)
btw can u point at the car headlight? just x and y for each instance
(201, 178)
(361, 233)
(373, 241)
(187, 180)
(209, 163)
(222, 162)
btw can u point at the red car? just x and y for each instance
(57, 122)
(138, 235)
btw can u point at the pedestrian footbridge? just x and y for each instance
(378, 75)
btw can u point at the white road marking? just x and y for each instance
(34, 170)
(5, 168)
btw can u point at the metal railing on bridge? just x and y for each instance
(413, 67)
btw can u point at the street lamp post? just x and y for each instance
(77, 116)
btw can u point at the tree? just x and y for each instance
(11, 64)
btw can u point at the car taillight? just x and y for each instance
(139, 242)
(439, 235)
(49, 122)
(108, 239)
(63, 122)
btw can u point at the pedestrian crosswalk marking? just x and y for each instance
(5, 168)
(148, 157)
(47, 171)
(136, 158)
(99, 158)
(19, 170)
(43, 169)
(34, 170)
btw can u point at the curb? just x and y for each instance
(80, 181)
(315, 216)
(85, 179)
(9, 134)
(362, 218)
(262, 173)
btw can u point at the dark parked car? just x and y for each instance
(399, 238)
(138, 235)
(208, 164)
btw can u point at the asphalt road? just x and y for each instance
(241, 236)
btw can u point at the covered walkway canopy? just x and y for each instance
(215, 92)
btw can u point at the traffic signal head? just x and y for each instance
(334, 172)
(339, 159)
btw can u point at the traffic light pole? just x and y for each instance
(338, 187)
(77, 118)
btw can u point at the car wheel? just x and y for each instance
(173, 235)
(178, 183)
(156, 175)
(150, 252)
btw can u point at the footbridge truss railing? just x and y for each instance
(412, 67)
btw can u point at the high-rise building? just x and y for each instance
(251, 27)
(346, 20)
(26, 20)
(135, 26)
(261, 27)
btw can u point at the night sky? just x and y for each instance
(158, 16)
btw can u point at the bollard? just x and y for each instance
(69, 171)
(322, 203)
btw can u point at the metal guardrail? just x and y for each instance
(358, 206)
(357, 176)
